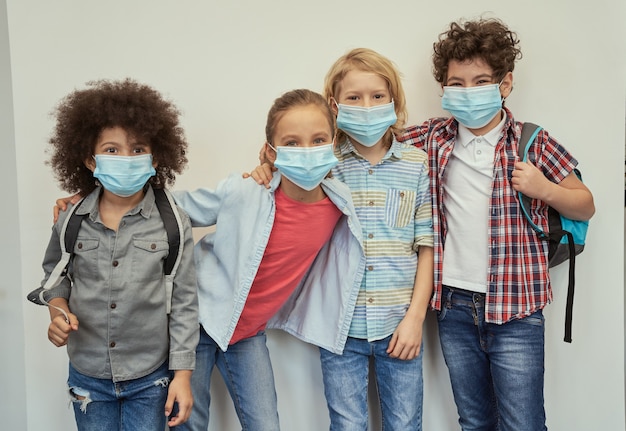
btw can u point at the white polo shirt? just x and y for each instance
(467, 190)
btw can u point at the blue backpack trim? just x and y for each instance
(566, 236)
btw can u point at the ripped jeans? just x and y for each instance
(103, 405)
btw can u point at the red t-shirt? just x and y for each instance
(299, 232)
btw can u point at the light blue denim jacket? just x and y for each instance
(320, 309)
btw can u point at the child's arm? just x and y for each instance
(570, 197)
(180, 392)
(406, 341)
(59, 329)
(183, 331)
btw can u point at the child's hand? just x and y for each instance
(179, 392)
(262, 174)
(406, 340)
(59, 329)
(529, 180)
(61, 205)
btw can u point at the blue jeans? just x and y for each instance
(247, 373)
(496, 371)
(133, 405)
(399, 383)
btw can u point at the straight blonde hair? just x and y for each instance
(368, 60)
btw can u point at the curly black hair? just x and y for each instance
(486, 39)
(137, 108)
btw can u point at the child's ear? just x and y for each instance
(333, 105)
(269, 153)
(507, 85)
(90, 163)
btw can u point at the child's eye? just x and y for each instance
(352, 98)
(320, 141)
(110, 150)
(291, 143)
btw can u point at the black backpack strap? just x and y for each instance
(175, 234)
(171, 227)
(72, 228)
(569, 305)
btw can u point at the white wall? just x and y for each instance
(224, 63)
(12, 371)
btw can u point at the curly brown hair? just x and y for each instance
(487, 39)
(137, 108)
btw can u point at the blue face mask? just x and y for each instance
(123, 175)
(473, 107)
(306, 167)
(366, 125)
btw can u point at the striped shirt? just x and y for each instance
(518, 282)
(393, 204)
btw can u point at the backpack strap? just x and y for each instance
(529, 134)
(67, 240)
(69, 233)
(174, 229)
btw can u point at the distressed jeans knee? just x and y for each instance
(80, 396)
(105, 405)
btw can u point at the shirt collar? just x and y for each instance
(465, 136)
(346, 147)
(90, 205)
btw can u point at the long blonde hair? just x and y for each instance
(368, 60)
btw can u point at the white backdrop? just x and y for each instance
(223, 63)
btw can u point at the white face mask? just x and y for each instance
(123, 175)
(306, 167)
(473, 107)
(366, 125)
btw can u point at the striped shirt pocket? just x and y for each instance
(399, 207)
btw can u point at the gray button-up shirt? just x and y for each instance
(118, 294)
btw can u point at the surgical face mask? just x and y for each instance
(306, 167)
(473, 107)
(366, 125)
(123, 175)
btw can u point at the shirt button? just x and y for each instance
(370, 268)
(80, 246)
(113, 306)
(115, 263)
(370, 236)
(370, 171)
(479, 140)
(371, 203)
(370, 300)
(112, 344)
(153, 246)
(479, 152)
(401, 194)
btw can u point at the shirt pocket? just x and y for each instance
(148, 257)
(399, 207)
(85, 260)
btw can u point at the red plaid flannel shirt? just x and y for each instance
(518, 281)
